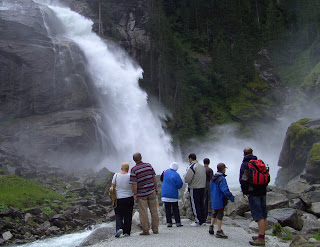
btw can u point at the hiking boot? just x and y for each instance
(169, 224)
(144, 233)
(220, 234)
(258, 242)
(179, 224)
(211, 231)
(118, 233)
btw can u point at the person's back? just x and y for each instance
(246, 187)
(196, 175)
(142, 174)
(171, 183)
(123, 188)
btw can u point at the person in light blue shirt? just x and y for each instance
(172, 182)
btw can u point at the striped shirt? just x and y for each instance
(142, 174)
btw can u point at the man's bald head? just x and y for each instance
(137, 157)
(247, 151)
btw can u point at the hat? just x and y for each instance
(221, 166)
(174, 166)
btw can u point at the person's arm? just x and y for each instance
(155, 184)
(225, 189)
(189, 175)
(178, 181)
(134, 190)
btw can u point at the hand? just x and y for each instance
(157, 192)
(135, 197)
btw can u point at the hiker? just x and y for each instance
(257, 197)
(220, 194)
(125, 202)
(207, 199)
(144, 186)
(196, 180)
(172, 182)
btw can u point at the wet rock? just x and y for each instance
(287, 217)
(98, 235)
(276, 200)
(239, 207)
(7, 235)
(315, 208)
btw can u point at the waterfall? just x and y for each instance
(129, 123)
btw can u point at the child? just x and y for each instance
(171, 183)
(220, 194)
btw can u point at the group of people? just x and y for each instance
(209, 195)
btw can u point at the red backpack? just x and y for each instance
(258, 172)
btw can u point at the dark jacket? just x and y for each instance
(219, 191)
(246, 187)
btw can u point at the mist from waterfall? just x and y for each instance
(129, 124)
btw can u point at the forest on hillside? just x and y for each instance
(205, 53)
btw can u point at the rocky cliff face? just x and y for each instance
(300, 154)
(45, 91)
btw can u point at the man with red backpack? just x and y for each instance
(254, 178)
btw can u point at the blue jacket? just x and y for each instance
(219, 191)
(171, 183)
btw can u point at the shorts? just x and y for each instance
(258, 207)
(218, 213)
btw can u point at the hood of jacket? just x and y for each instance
(218, 177)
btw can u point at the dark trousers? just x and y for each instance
(197, 204)
(172, 206)
(123, 213)
(207, 201)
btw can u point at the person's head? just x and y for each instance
(137, 157)
(125, 166)
(174, 166)
(192, 157)
(221, 167)
(206, 162)
(247, 151)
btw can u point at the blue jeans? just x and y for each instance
(258, 207)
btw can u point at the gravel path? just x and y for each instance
(190, 236)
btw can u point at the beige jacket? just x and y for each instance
(196, 175)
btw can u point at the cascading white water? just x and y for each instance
(132, 126)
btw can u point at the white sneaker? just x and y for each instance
(195, 224)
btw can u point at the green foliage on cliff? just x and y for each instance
(201, 64)
(302, 138)
(19, 192)
(314, 153)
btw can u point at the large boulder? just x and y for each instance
(98, 235)
(300, 154)
(287, 217)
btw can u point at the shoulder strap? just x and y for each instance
(191, 167)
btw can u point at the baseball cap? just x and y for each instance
(221, 166)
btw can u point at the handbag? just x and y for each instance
(113, 193)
